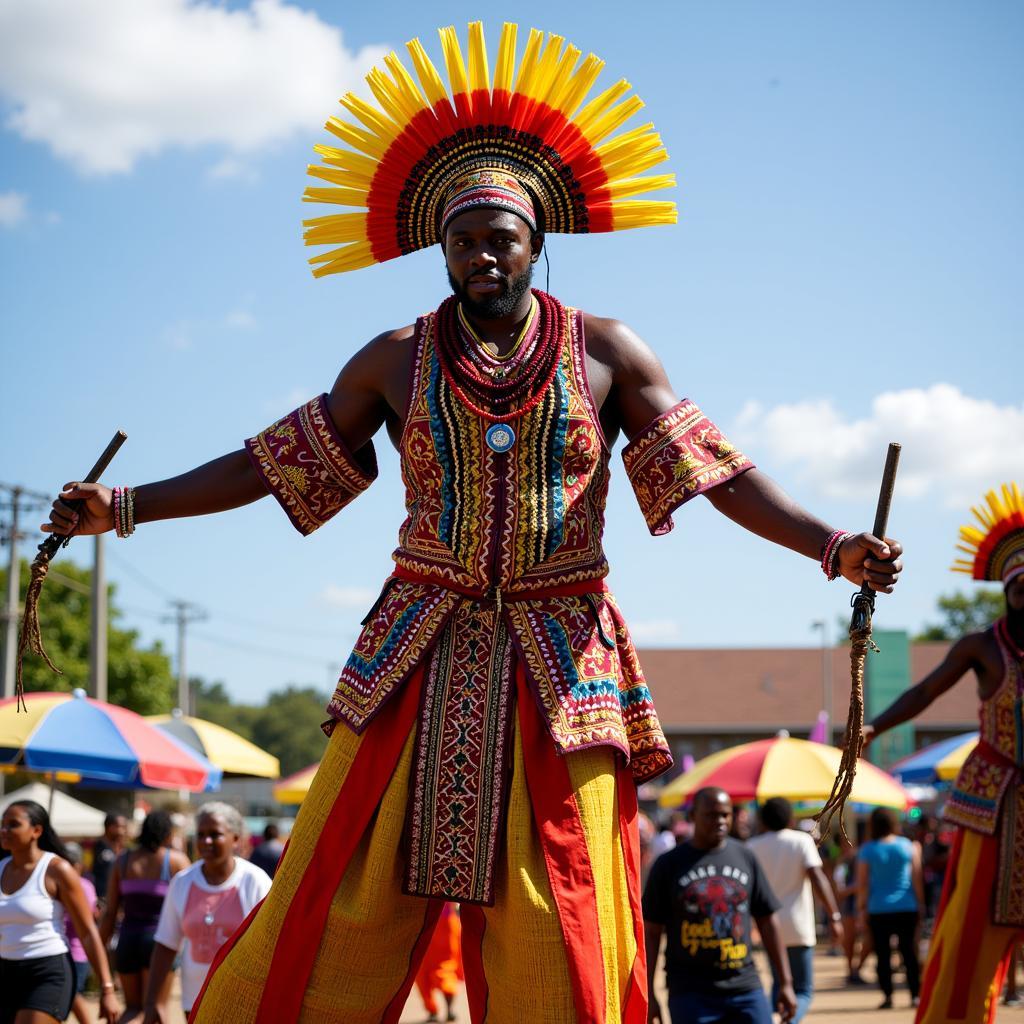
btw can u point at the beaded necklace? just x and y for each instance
(492, 364)
(529, 369)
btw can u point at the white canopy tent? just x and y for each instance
(71, 818)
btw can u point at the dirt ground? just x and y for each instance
(834, 1002)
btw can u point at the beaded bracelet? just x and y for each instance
(124, 511)
(830, 554)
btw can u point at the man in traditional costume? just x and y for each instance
(491, 724)
(981, 915)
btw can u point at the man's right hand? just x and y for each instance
(95, 516)
(868, 732)
(786, 1004)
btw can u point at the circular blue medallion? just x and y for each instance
(500, 437)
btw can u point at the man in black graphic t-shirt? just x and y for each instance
(703, 895)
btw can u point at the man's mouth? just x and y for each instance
(484, 282)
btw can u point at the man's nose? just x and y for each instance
(482, 258)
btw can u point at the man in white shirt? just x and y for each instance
(790, 861)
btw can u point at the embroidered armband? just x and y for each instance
(306, 466)
(678, 455)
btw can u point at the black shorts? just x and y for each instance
(45, 983)
(134, 950)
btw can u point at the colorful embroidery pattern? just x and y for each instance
(1008, 902)
(679, 455)
(461, 763)
(306, 466)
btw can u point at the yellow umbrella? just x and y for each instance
(782, 766)
(232, 753)
(293, 789)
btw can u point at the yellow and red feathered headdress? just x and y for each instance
(997, 549)
(533, 121)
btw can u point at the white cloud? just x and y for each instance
(955, 446)
(106, 82)
(13, 209)
(240, 320)
(348, 597)
(656, 631)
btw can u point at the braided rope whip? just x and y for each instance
(30, 637)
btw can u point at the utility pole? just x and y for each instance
(98, 622)
(826, 678)
(20, 500)
(184, 613)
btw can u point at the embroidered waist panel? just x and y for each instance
(576, 652)
(456, 810)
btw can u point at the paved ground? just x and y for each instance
(834, 1002)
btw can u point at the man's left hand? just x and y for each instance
(786, 1004)
(866, 559)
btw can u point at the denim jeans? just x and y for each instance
(801, 967)
(740, 1008)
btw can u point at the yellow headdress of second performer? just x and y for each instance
(997, 549)
(404, 159)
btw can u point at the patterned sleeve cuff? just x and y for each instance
(306, 466)
(679, 454)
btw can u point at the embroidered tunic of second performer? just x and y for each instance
(500, 559)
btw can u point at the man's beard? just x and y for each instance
(493, 307)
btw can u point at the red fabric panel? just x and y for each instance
(474, 924)
(565, 852)
(975, 926)
(634, 1008)
(354, 806)
(432, 913)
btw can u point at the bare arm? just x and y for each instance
(823, 890)
(358, 404)
(917, 876)
(71, 895)
(635, 390)
(652, 942)
(768, 926)
(160, 965)
(964, 655)
(111, 905)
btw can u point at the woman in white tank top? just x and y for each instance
(37, 885)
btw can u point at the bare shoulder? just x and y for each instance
(179, 862)
(61, 874)
(385, 350)
(617, 346)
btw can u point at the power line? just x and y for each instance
(259, 649)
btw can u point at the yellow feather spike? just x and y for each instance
(563, 78)
(405, 83)
(362, 168)
(351, 257)
(528, 65)
(433, 87)
(453, 60)
(391, 98)
(356, 137)
(341, 228)
(635, 164)
(337, 196)
(614, 147)
(547, 67)
(613, 119)
(582, 82)
(638, 186)
(639, 213)
(383, 127)
(479, 73)
(338, 177)
(600, 104)
(504, 70)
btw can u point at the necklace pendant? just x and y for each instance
(500, 437)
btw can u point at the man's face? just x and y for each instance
(712, 818)
(117, 830)
(490, 255)
(1015, 595)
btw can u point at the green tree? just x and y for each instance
(138, 677)
(288, 725)
(963, 614)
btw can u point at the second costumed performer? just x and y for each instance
(491, 724)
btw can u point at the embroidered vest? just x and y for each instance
(995, 764)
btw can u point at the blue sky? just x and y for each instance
(846, 271)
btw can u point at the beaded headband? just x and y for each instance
(400, 162)
(997, 549)
(490, 188)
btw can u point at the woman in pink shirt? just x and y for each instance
(203, 907)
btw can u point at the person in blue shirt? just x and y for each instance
(890, 899)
